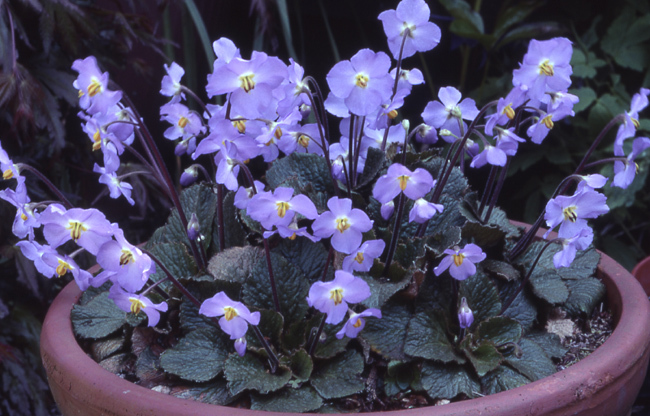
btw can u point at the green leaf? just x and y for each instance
(382, 288)
(249, 373)
(300, 400)
(270, 326)
(329, 345)
(501, 269)
(401, 377)
(198, 356)
(386, 336)
(500, 330)
(584, 296)
(522, 309)
(339, 377)
(291, 284)
(549, 287)
(375, 161)
(427, 337)
(300, 364)
(98, 318)
(586, 95)
(215, 392)
(502, 379)
(176, 259)
(235, 264)
(308, 256)
(533, 363)
(306, 173)
(584, 65)
(234, 233)
(513, 15)
(484, 356)
(550, 343)
(462, 11)
(626, 38)
(448, 381)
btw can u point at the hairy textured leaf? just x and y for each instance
(308, 256)
(481, 294)
(235, 264)
(98, 318)
(249, 373)
(303, 399)
(198, 356)
(427, 337)
(584, 296)
(533, 363)
(339, 377)
(215, 392)
(502, 379)
(387, 335)
(448, 381)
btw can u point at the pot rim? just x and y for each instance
(603, 369)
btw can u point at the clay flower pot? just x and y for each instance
(642, 273)
(605, 383)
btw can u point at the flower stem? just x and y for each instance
(47, 182)
(274, 290)
(393, 241)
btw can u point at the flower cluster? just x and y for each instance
(325, 227)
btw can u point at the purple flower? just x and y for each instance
(460, 262)
(8, 168)
(189, 175)
(343, 223)
(546, 68)
(570, 245)
(34, 251)
(355, 323)
(235, 316)
(411, 15)
(171, 83)
(115, 186)
(505, 109)
(26, 219)
(630, 123)
(240, 346)
(89, 228)
(279, 207)
(332, 298)
(594, 180)
(131, 302)
(423, 210)
(506, 145)
(570, 212)
(94, 95)
(361, 259)
(184, 122)
(63, 264)
(244, 195)
(539, 130)
(123, 263)
(398, 179)
(387, 209)
(624, 171)
(449, 112)
(465, 315)
(363, 82)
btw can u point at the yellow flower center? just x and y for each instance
(392, 114)
(230, 313)
(635, 122)
(95, 87)
(247, 82)
(303, 140)
(136, 305)
(126, 257)
(361, 80)
(458, 259)
(182, 122)
(359, 257)
(76, 228)
(548, 122)
(409, 28)
(62, 268)
(240, 125)
(342, 224)
(570, 213)
(278, 133)
(546, 68)
(97, 141)
(403, 180)
(508, 111)
(24, 217)
(337, 296)
(7, 174)
(282, 208)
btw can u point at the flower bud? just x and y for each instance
(465, 315)
(193, 228)
(189, 175)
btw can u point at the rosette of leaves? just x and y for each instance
(416, 347)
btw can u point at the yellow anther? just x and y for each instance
(337, 296)
(570, 213)
(136, 305)
(392, 114)
(247, 82)
(548, 122)
(359, 257)
(458, 259)
(240, 125)
(182, 122)
(508, 111)
(358, 323)
(403, 180)
(636, 168)
(126, 257)
(76, 228)
(282, 208)
(361, 80)
(24, 217)
(635, 122)
(303, 140)
(292, 237)
(62, 268)
(230, 313)
(97, 140)
(7, 174)
(342, 224)
(95, 87)
(81, 93)
(278, 133)
(546, 68)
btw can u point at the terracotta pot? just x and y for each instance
(642, 273)
(605, 383)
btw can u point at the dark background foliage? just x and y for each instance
(481, 43)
